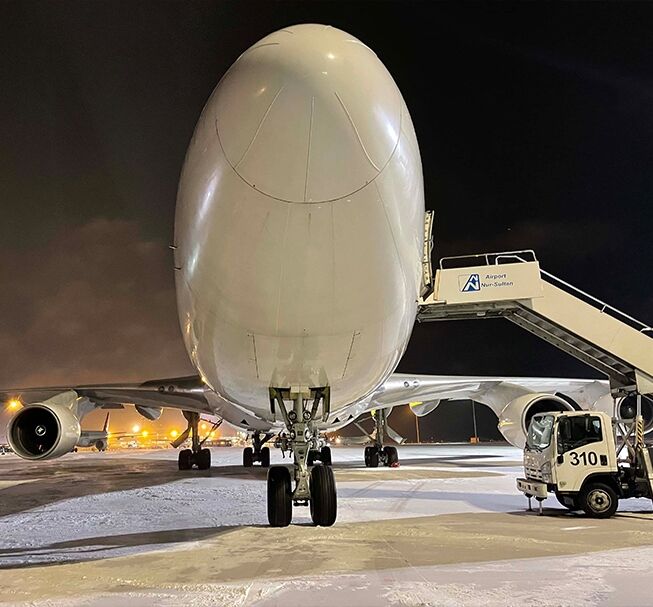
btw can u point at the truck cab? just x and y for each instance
(574, 455)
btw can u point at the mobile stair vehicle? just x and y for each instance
(589, 459)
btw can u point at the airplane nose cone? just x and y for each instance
(308, 114)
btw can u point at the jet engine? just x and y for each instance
(517, 414)
(627, 409)
(43, 431)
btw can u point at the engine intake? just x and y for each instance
(43, 431)
(517, 414)
(627, 409)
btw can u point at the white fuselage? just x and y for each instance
(299, 225)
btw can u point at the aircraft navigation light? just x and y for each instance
(13, 404)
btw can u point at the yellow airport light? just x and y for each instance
(144, 433)
(204, 426)
(136, 428)
(13, 404)
(174, 434)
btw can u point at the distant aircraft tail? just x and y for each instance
(106, 424)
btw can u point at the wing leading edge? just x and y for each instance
(186, 393)
(495, 392)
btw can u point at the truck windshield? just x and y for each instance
(539, 432)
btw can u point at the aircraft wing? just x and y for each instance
(187, 393)
(495, 392)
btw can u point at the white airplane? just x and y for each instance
(95, 438)
(297, 254)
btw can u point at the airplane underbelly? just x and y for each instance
(306, 273)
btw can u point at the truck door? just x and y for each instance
(582, 450)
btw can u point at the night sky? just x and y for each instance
(534, 121)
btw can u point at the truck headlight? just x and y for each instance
(546, 472)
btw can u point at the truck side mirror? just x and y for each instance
(560, 459)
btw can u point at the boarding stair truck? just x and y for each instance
(588, 459)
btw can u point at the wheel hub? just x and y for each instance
(599, 500)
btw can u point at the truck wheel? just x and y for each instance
(599, 500)
(568, 501)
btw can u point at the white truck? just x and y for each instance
(575, 455)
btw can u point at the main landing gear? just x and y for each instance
(385, 456)
(377, 454)
(323, 454)
(314, 486)
(257, 452)
(197, 455)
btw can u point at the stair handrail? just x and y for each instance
(643, 327)
(486, 256)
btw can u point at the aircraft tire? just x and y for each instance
(265, 457)
(185, 459)
(203, 459)
(279, 497)
(248, 457)
(368, 451)
(325, 456)
(373, 458)
(391, 456)
(324, 501)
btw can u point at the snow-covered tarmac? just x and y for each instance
(446, 528)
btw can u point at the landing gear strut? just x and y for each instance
(197, 455)
(257, 452)
(315, 486)
(378, 454)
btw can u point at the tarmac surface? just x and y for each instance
(447, 528)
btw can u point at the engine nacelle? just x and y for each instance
(517, 414)
(627, 409)
(43, 431)
(423, 409)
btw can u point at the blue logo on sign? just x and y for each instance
(473, 284)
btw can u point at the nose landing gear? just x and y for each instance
(315, 486)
